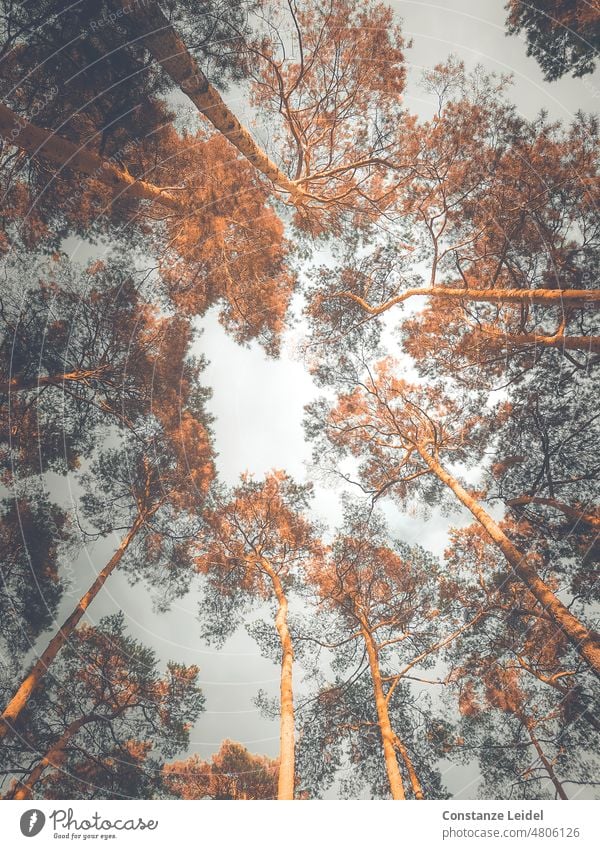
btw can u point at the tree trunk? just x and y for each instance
(586, 642)
(548, 297)
(20, 384)
(591, 344)
(56, 151)
(542, 756)
(565, 509)
(53, 758)
(30, 683)
(286, 722)
(417, 788)
(171, 53)
(383, 717)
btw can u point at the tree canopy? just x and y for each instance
(272, 182)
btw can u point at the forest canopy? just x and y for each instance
(423, 581)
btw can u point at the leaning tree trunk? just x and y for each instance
(578, 516)
(586, 642)
(286, 723)
(388, 737)
(171, 53)
(59, 152)
(590, 344)
(53, 758)
(18, 383)
(547, 297)
(415, 783)
(30, 683)
(560, 790)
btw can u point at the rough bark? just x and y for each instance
(30, 683)
(388, 738)
(60, 153)
(170, 52)
(586, 642)
(286, 722)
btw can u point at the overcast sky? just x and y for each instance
(258, 404)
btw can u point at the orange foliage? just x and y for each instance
(230, 249)
(232, 773)
(262, 521)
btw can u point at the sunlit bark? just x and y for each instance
(566, 509)
(547, 297)
(410, 768)
(388, 738)
(286, 721)
(32, 680)
(554, 340)
(586, 642)
(53, 758)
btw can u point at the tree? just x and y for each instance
(525, 748)
(33, 531)
(55, 150)
(516, 633)
(563, 36)
(338, 95)
(545, 469)
(402, 433)
(150, 490)
(230, 244)
(83, 350)
(257, 543)
(340, 740)
(232, 773)
(109, 111)
(168, 49)
(230, 250)
(349, 69)
(92, 731)
(388, 600)
(495, 229)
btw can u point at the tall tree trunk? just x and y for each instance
(383, 717)
(542, 756)
(548, 297)
(586, 642)
(30, 683)
(53, 758)
(286, 722)
(416, 785)
(21, 384)
(171, 53)
(59, 152)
